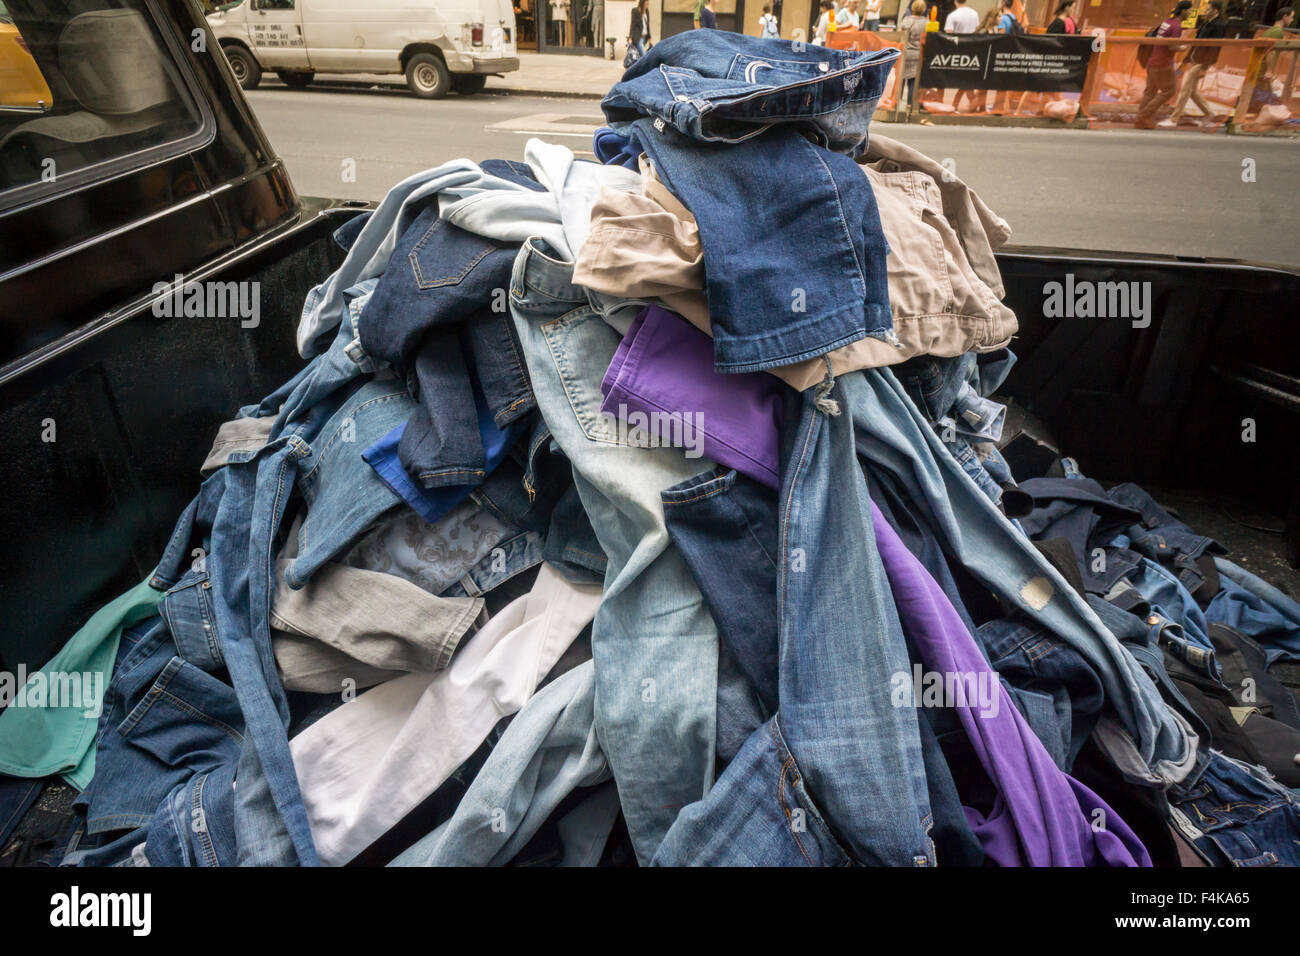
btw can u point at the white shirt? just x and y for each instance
(823, 27)
(368, 763)
(846, 19)
(962, 20)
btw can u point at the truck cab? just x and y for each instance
(439, 45)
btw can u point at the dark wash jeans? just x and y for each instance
(428, 316)
(837, 775)
(1237, 815)
(168, 726)
(725, 525)
(755, 138)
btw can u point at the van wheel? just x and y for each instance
(427, 76)
(245, 68)
(467, 84)
(295, 80)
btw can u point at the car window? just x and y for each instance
(83, 83)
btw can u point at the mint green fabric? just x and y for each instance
(39, 740)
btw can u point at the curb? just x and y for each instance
(563, 94)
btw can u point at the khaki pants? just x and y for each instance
(1162, 84)
(1190, 89)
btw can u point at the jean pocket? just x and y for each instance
(187, 609)
(446, 255)
(582, 346)
(187, 716)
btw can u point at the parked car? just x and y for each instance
(108, 407)
(440, 45)
(21, 85)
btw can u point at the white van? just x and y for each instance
(440, 45)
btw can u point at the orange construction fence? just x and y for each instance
(1254, 84)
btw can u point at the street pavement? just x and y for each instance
(1174, 193)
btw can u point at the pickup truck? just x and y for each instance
(163, 177)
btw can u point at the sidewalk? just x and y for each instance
(559, 74)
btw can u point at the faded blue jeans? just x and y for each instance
(837, 775)
(654, 644)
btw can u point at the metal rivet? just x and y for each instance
(823, 66)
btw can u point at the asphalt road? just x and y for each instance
(1126, 191)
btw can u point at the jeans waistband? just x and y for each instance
(539, 272)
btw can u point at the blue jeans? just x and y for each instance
(233, 525)
(1032, 659)
(755, 137)
(653, 641)
(1258, 610)
(431, 315)
(726, 87)
(788, 229)
(343, 493)
(726, 528)
(1237, 815)
(167, 727)
(895, 440)
(837, 775)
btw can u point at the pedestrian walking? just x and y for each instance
(913, 28)
(1162, 78)
(638, 31)
(1198, 60)
(1064, 21)
(767, 25)
(962, 20)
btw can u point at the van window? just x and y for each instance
(82, 83)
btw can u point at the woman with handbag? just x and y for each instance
(638, 32)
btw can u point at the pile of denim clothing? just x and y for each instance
(652, 510)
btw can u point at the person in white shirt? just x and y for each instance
(961, 20)
(825, 23)
(846, 18)
(871, 15)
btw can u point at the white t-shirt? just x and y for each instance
(962, 20)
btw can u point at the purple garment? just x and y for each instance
(1042, 816)
(664, 366)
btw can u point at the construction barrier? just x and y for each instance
(1243, 86)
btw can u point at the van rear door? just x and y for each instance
(275, 29)
(498, 28)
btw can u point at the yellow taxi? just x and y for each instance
(21, 84)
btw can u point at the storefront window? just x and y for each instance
(573, 24)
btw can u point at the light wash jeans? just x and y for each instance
(654, 643)
(471, 197)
